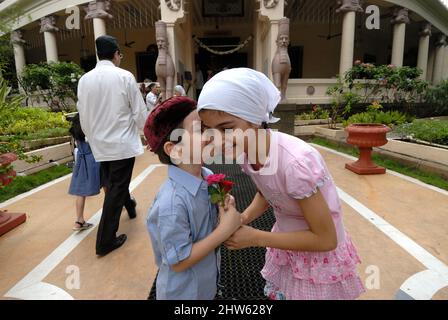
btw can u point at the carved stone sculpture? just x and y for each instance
(348, 6)
(17, 37)
(48, 24)
(269, 4)
(173, 5)
(401, 15)
(165, 70)
(281, 64)
(425, 29)
(441, 41)
(98, 9)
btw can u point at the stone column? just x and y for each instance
(445, 65)
(423, 49)
(399, 21)
(19, 51)
(49, 29)
(271, 11)
(349, 9)
(437, 74)
(97, 11)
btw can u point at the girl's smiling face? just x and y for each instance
(222, 121)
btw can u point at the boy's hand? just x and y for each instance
(244, 237)
(229, 220)
(229, 200)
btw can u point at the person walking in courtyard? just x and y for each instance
(85, 180)
(179, 91)
(112, 111)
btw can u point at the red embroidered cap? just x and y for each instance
(165, 118)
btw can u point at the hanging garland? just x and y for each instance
(239, 47)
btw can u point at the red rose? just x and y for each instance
(215, 178)
(227, 185)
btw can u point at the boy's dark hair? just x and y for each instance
(76, 130)
(160, 152)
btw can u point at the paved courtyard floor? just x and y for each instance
(399, 225)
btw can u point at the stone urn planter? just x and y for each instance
(365, 137)
(6, 172)
(8, 221)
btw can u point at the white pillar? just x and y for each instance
(99, 27)
(348, 34)
(423, 49)
(347, 42)
(445, 65)
(438, 59)
(172, 39)
(270, 12)
(273, 32)
(401, 18)
(98, 12)
(49, 29)
(51, 47)
(19, 51)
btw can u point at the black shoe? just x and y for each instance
(118, 242)
(130, 208)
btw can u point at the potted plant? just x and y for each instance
(8, 220)
(7, 172)
(367, 130)
(9, 152)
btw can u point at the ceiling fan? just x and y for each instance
(126, 43)
(330, 36)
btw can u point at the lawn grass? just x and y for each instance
(426, 177)
(27, 183)
(39, 134)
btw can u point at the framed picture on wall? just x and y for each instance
(223, 8)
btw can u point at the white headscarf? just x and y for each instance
(181, 90)
(243, 93)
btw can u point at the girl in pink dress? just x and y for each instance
(309, 253)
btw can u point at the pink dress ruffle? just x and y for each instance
(302, 275)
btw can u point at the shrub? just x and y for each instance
(56, 82)
(438, 97)
(17, 121)
(387, 83)
(316, 113)
(433, 131)
(374, 114)
(343, 97)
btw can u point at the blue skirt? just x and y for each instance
(86, 173)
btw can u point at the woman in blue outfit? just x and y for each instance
(86, 174)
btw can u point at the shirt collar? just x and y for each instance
(188, 181)
(105, 63)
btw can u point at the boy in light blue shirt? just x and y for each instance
(186, 229)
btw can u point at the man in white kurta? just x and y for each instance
(112, 110)
(152, 97)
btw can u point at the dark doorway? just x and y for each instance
(296, 57)
(146, 64)
(209, 61)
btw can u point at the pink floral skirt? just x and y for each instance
(300, 275)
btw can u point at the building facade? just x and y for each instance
(325, 36)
